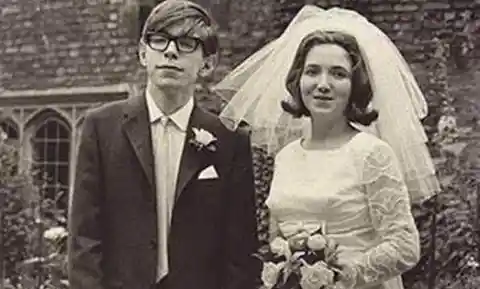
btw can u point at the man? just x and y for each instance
(163, 196)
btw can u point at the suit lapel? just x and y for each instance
(191, 161)
(136, 126)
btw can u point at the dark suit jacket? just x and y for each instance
(112, 220)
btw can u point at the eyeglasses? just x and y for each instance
(160, 42)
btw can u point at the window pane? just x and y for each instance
(64, 151)
(50, 170)
(50, 191)
(51, 129)
(39, 155)
(52, 149)
(63, 132)
(63, 175)
(41, 132)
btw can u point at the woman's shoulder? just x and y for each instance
(291, 149)
(369, 143)
(362, 146)
(373, 152)
(368, 148)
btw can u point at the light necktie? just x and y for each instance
(164, 192)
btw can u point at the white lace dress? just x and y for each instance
(358, 191)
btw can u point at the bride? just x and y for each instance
(336, 103)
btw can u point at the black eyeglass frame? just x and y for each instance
(170, 38)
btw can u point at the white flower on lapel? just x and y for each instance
(204, 139)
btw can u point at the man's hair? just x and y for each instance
(193, 18)
(361, 93)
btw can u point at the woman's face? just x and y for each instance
(325, 83)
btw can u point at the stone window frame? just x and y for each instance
(28, 109)
(48, 158)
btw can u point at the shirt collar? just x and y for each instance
(179, 117)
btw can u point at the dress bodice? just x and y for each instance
(357, 194)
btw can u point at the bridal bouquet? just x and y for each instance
(307, 261)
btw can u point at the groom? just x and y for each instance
(163, 196)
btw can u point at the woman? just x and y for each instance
(339, 175)
(354, 184)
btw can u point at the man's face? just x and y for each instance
(172, 59)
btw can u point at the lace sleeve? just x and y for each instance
(274, 229)
(398, 247)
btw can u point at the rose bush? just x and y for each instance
(34, 235)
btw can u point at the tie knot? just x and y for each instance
(165, 120)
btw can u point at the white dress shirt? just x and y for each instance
(168, 138)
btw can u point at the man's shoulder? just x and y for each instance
(113, 109)
(242, 130)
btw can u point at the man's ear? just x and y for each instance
(209, 64)
(141, 54)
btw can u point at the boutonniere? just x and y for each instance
(203, 139)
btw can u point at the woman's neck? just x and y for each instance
(328, 134)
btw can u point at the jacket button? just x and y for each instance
(153, 244)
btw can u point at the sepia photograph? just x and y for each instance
(249, 144)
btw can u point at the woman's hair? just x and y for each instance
(194, 20)
(357, 110)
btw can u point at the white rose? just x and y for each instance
(447, 123)
(316, 242)
(270, 273)
(55, 233)
(315, 276)
(3, 135)
(204, 137)
(473, 263)
(280, 247)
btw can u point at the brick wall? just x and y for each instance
(411, 24)
(47, 44)
(68, 43)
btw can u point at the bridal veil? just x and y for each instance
(258, 85)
